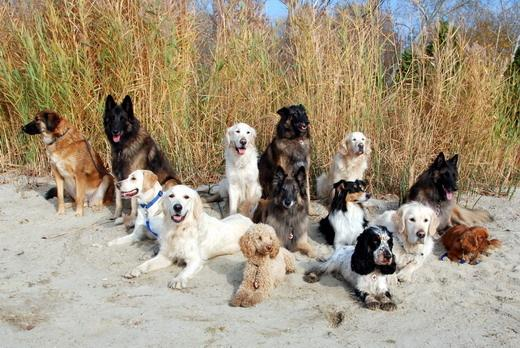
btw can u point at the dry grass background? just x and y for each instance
(191, 75)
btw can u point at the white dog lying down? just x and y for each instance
(144, 186)
(349, 164)
(413, 226)
(192, 236)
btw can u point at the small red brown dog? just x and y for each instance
(465, 243)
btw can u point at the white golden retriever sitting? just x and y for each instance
(192, 236)
(144, 186)
(413, 226)
(241, 183)
(349, 164)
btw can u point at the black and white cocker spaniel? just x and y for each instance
(364, 266)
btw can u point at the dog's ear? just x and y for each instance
(253, 135)
(276, 246)
(127, 106)
(440, 160)
(398, 218)
(51, 120)
(246, 245)
(362, 262)
(198, 208)
(227, 136)
(344, 147)
(149, 180)
(340, 185)
(283, 112)
(453, 161)
(434, 223)
(279, 177)
(110, 103)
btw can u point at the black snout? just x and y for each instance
(115, 132)
(361, 147)
(177, 208)
(420, 234)
(31, 128)
(243, 142)
(387, 254)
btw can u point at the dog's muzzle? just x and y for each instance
(361, 148)
(385, 257)
(31, 128)
(177, 215)
(241, 149)
(116, 136)
(420, 234)
(302, 126)
(127, 194)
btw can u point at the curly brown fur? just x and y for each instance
(266, 267)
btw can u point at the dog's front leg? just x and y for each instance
(59, 188)
(136, 236)
(119, 205)
(80, 193)
(386, 302)
(193, 266)
(158, 262)
(233, 198)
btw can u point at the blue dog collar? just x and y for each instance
(152, 202)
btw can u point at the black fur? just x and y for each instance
(293, 123)
(341, 189)
(51, 193)
(363, 259)
(435, 182)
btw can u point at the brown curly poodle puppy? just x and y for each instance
(266, 267)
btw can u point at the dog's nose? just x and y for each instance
(243, 141)
(177, 207)
(387, 254)
(421, 234)
(361, 146)
(115, 132)
(287, 202)
(269, 247)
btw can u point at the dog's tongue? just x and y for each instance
(177, 218)
(449, 196)
(241, 151)
(116, 138)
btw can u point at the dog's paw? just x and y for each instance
(388, 306)
(61, 211)
(133, 274)
(177, 283)
(373, 305)
(78, 213)
(118, 221)
(311, 277)
(404, 278)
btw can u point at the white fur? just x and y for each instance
(193, 240)
(347, 225)
(409, 250)
(241, 184)
(154, 214)
(349, 164)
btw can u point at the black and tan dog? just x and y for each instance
(436, 188)
(132, 149)
(287, 210)
(290, 149)
(76, 167)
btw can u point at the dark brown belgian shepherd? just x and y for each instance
(132, 148)
(287, 210)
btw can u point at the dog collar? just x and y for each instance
(58, 138)
(150, 229)
(153, 201)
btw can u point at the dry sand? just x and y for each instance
(62, 286)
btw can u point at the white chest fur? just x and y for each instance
(347, 225)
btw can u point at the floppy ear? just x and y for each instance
(283, 112)
(198, 208)
(398, 218)
(110, 103)
(52, 120)
(440, 160)
(276, 246)
(343, 148)
(340, 184)
(434, 224)
(227, 136)
(362, 262)
(246, 245)
(149, 179)
(127, 105)
(253, 135)
(454, 160)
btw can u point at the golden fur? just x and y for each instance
(267, 265)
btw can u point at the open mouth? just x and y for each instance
(302, 127)
(129, 194)
(177, 218)
(384, 261)
(241, 150)
(117, 137)
(448, 193)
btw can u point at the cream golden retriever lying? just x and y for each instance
(349, 164)
(192, 236)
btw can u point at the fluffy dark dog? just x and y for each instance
(346, 220)
(290, 149)
(286, 212)
(365, 267)
(436, 187)
(468, 243)
(133, 148)
(76, 167)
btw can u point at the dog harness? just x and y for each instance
(148, 206)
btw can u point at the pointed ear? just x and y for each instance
(110, 103)
(52, 120)
(362, 262)
(279, 176)
(454, 160)
(149, 180)
(283, 112)
(440, 160)
(127, 105)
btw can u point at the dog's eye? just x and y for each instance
(412, 219)
(354, 139)
(363, 139)
(425, 220)
(186, 197)
(171, 195)
(237, 131)
(132, 178)
(248, 132)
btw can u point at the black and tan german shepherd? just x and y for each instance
(290, 149)
(132, 148)
(287, 210)
(436, 187)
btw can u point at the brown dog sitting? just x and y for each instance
(465, 244)
(266, 267)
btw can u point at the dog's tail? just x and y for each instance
(313, 274)
(53, 192)
(469, 217)
(494, 243)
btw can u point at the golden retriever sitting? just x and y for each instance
(267, 265)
